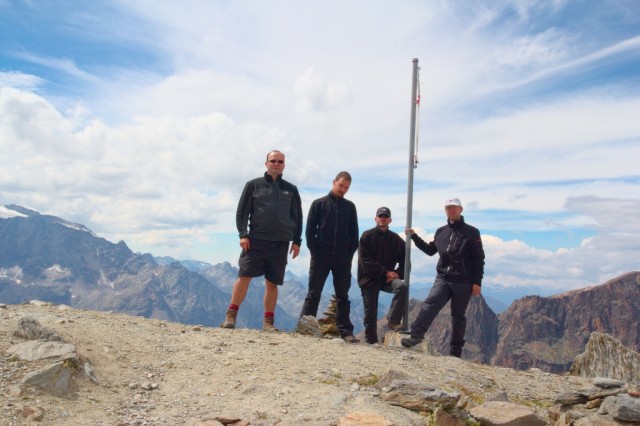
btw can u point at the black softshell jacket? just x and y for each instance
(460, 250)
(270, 210)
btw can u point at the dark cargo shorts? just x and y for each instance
(268, 258)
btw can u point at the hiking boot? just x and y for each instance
(409, 342)
(230, 319)
(350, 339)
(267, 324)
(455, 353)
(393, 326)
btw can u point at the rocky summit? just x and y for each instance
(64, 366)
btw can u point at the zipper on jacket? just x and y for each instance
(448, 246)
(335, 227)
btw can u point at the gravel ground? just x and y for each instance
(153, 372)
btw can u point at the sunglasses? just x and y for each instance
(383, 216)
(276, 161)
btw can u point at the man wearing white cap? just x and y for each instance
(459, 276)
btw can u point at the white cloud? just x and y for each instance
(155, 143)
(316, 94)
(19, 80)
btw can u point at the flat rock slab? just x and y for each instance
(500, 413)
(415, 395)
(35, 350)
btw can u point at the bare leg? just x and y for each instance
(270, 296)
(239, 291)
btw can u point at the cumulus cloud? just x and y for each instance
(156, 182)
(152, 140)
(317, 94)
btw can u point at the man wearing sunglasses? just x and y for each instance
(381, 255)
(269, 216)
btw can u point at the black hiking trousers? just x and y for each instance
(442, 291)
(340, 268)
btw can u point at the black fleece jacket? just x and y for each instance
(332, 226)
(378, 253)
(460, 249)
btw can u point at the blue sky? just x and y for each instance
(143, 119)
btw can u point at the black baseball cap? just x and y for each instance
(383, 211)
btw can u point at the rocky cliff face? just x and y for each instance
(548, 332)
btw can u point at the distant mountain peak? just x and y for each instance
(13, 210)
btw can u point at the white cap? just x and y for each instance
(453, 202)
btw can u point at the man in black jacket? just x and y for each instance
(459, 276)
(268, 217)
(381, 268)
(332, 238)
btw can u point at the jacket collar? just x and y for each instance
(267, 177)
(457, 223)
(380, 232)
(333, 196)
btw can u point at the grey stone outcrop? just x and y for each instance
(308, 324)
(53, 378)
(608, 402)
(29, 328)
(605, 356)
(622, 407)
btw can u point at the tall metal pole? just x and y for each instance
(412, 166)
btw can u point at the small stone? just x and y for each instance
(570, 398)
(605, 382)
(359, 419)
(14, 391)
(594, 403)
(308, 325)
(500, 396)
